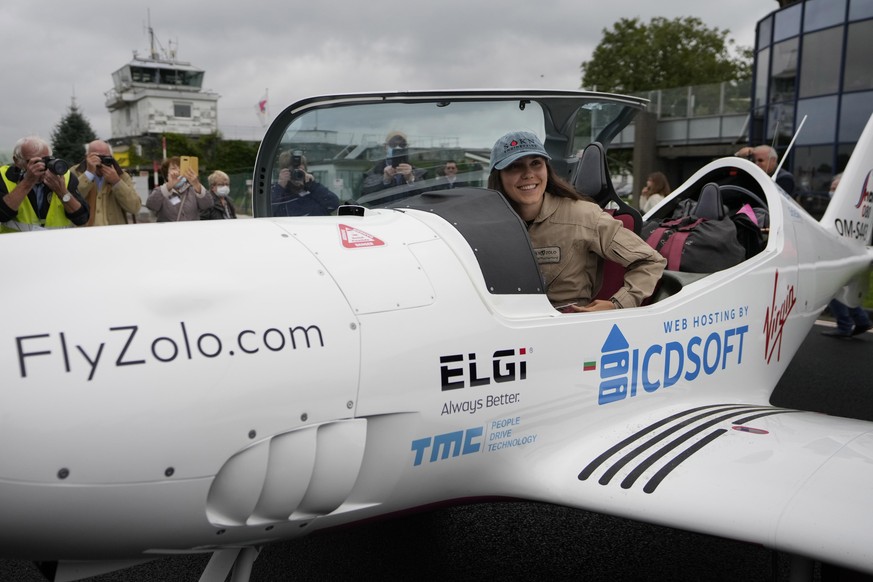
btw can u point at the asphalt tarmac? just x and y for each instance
(533, 541)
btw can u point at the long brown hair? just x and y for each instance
(555, 185)
(660, 185)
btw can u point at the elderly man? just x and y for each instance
(107, 189)
(449, 179)
(38, 192)
(767, 159)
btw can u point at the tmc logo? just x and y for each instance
(458, 371)
(623, 370)
(460, 442)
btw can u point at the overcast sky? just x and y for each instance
(297, 49)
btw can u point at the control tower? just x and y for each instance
(160, 94)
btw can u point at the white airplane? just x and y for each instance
(217, 386)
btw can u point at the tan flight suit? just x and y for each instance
(571, 238)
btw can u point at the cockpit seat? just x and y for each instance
(591, 178)
(709, 203)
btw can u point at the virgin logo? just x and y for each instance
(774, 321)
(866, 193)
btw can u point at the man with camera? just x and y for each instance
(766, 158)
(107, 189)
(395, 170)
(38, 191)
(297, 193)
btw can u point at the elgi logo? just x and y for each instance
(458, 371)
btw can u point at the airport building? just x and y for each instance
(812, 59)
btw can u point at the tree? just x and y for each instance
(71, 135)
(215, 153)
(634, 56)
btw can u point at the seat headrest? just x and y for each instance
(709, 204)
(591, 178)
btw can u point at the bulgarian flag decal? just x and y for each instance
(589, 366)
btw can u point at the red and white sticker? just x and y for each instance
(354, 239)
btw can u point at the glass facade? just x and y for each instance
(821, 50)
(861, 9)
(812, 59)
(858, 76)
(787, 23)
(818, 15)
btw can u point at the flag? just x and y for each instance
(263, 112)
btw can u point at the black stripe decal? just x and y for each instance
(762, 415)
(620, 463)
(677, 460)
(660, 453)
(748, 412)
(592, 466)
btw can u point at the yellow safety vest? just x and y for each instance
(26, 219)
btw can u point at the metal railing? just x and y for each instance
(713, 113)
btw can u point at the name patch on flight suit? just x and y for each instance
(548, 255)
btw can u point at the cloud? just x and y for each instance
(299, 50)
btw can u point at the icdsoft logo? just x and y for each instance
(623, 368)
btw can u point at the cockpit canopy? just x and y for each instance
(345, 141)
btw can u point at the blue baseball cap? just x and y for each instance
(515, 145)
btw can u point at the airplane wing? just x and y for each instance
(786, 479)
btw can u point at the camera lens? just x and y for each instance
(56, 166)
(298, 175)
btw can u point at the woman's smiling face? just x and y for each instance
(524, 182)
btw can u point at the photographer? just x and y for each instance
(766, 158)
(107, 189)
(38, 191)
(297, 193)
(395, 169)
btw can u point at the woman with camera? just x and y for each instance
(180, 197)
(297, 193)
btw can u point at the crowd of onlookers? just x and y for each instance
(39, 191)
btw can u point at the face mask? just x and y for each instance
(222, 190)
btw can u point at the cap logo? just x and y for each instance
(521, 142)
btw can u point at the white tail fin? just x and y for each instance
(850, 212)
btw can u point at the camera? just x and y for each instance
(297, 174)
(107, 160)
(56, 166)
(398, 156)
